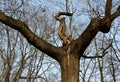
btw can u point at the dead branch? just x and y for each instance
(57, 17)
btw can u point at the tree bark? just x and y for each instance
(70, 68)
(33, 39)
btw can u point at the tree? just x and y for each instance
(70, 73)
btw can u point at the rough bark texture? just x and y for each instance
(70, 69)
(31, 37)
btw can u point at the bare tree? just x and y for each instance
(70, 73)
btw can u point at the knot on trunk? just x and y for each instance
(105, 28)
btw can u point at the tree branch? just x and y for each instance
(108, 8)
(103, 53)
(57, 17)
(86, 37)
(33, 39)
(84, 56)
(23, 77)
(96, 25)
(62, 28)
(106, 22)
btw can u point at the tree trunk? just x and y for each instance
(70, 68)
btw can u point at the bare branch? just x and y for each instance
(96, 56)
(57, 17)
(92, 56)
(33, 77)
(62, 27)
(33, 39)
(108, 8)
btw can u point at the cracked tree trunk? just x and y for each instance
(70, 69)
